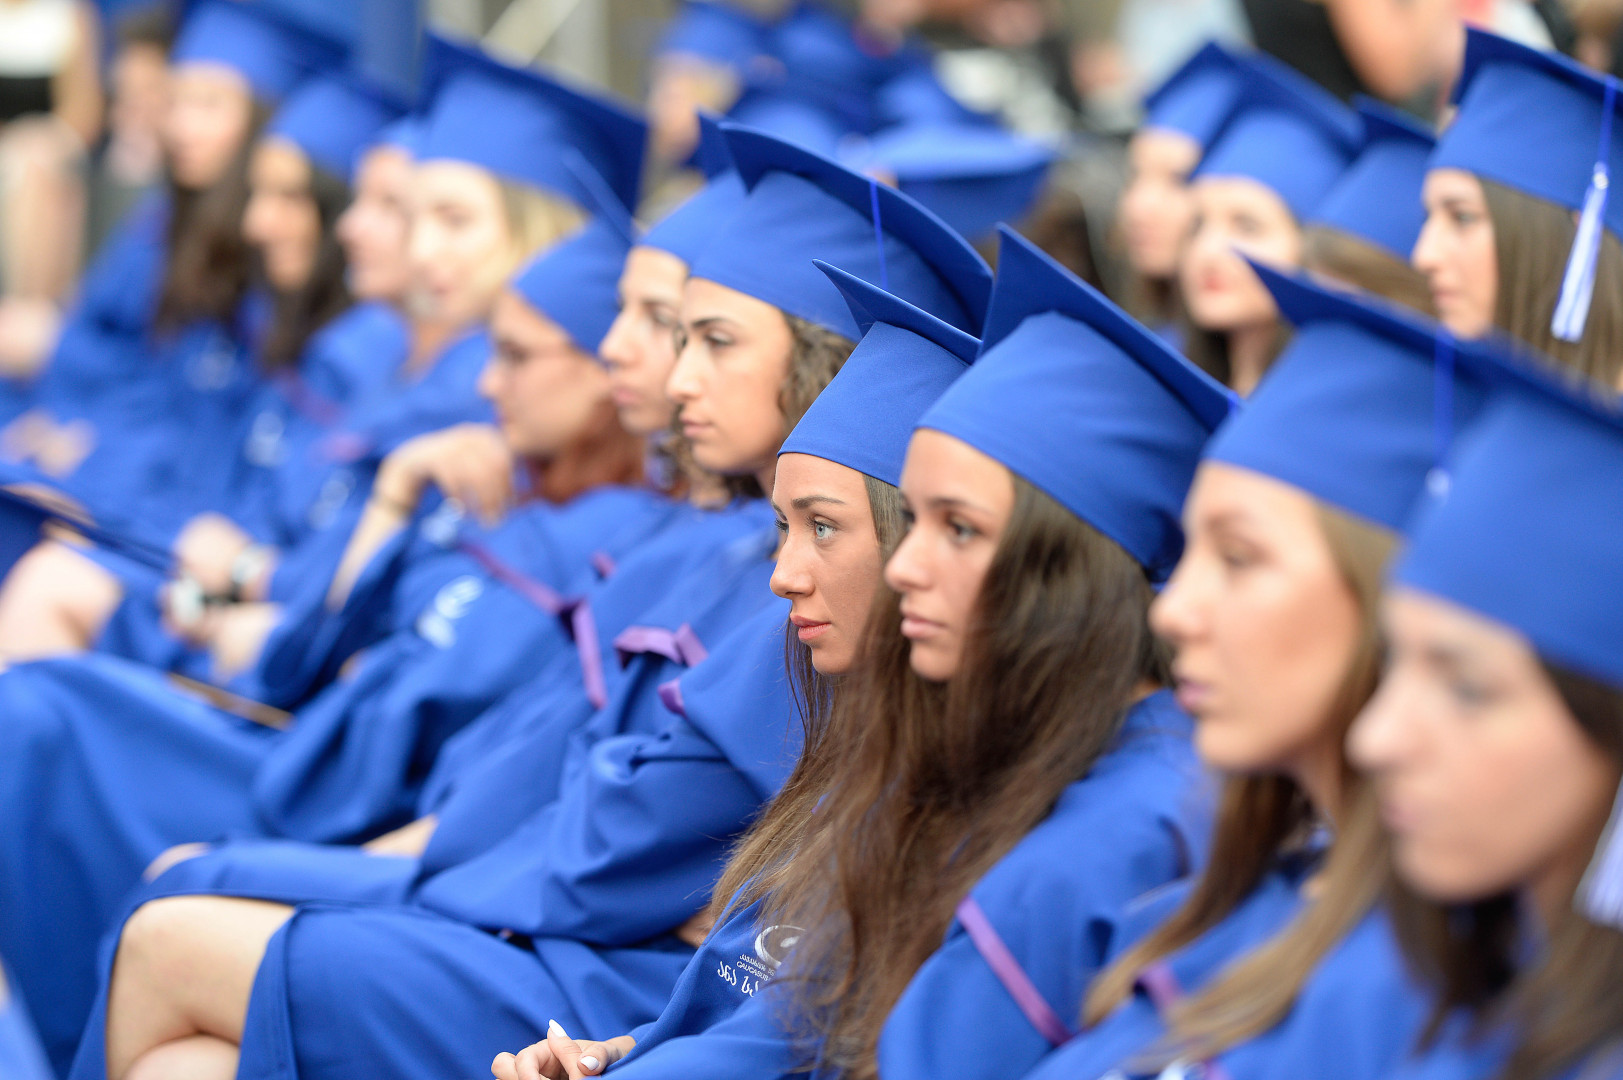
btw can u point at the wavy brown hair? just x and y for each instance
(210, 263)
(1568, 1007)
(1532, 240)
(920, 787)
(1259, 819)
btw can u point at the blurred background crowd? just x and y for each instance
(82, 91)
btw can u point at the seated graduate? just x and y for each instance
(136, 765)
(353, 762)
(1362, 232)
(591, 887)
(1272, 612)
(1011, 708)
(481, 210)
(1502, 249)
(168, 310)
(1280, 153)
(1496, 744)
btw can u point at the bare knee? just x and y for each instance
(55, 601)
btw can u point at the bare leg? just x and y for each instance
(55, 602)
(201, 1057)
(185, 968)
(44, 208)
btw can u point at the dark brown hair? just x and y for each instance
(1568, 1007)
(1355, 261)
(1209, 349)
(1259, 818)
(210, 262)
(1532, 241)
(298, 314)
(920, 787)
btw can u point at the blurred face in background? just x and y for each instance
(1235, 216)
(282, 221)
(1457, 252)
(1157, 209)
(640, 348)
(210, 110)
(375, 229)
(462, 246)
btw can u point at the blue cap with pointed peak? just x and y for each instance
(971, 175)
(802, 207)
(1378, 198)
(1362, 408)
(576, 282)
(905, 361)
(1286, 133)
(513, 121)
(1073, 395)
(1198, 98)
(332, 118)
(688, 230)
(272, 52)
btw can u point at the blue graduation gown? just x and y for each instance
(113, 766)
(1355, 1018)
(1131, 824)
(1036, 929)
(21, 1057)
(630, 855)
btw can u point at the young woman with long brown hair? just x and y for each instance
(1279, 155)
(1496, 746)
(1501, 246)
(1011, 695)
(1272, 612)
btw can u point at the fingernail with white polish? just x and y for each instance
(555, 1028)
(589, 1063)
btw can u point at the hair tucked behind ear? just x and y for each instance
(300, 313)
(1567, 1008)
(918, 788)
(209, 263)
(1532, 239)
(1258, 818)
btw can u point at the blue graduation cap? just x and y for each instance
(1527, 536)
(971, 175)
(717, 31)
(332, 118)
(514, 121)
(1286, 133)
(1378, 198)
(1074, 396)
(575, 283)
(687, 230)
(1198, 98)
(1361, 408)
(822, 57)
(802, 206)
(1541, 124)
(271, 51)
(785, 116)
(905, 361)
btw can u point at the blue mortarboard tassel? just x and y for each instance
(1443, 413)
(1600, 894)
(878, 232)
(1578, 285)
